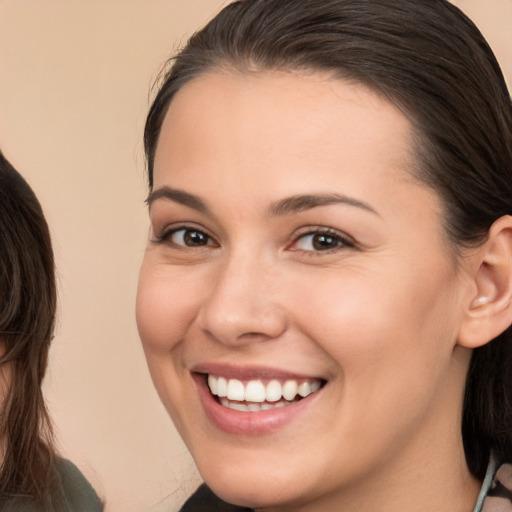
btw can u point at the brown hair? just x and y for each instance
(431, 61)
(27, 316)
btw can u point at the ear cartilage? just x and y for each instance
(481, 301)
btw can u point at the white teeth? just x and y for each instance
(222, 387)
(240, 407)
(273, 391)
(257, 393)
(290, 389)
(315, 386)
(236, 390)
(253, 407)
(212, 384)
(304, 389)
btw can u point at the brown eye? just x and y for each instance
(320, 241)
(190, 238)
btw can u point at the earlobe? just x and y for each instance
(489, 312)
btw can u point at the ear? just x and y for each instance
(489, 309)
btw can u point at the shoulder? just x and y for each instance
(73, 493)
(203, 500)
(78, 494)
(499, 495)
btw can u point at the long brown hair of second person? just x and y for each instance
(27, 318)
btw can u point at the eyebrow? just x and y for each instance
(178, 196)
(300, 203)
(286, 206)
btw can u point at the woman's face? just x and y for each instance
(291, 251)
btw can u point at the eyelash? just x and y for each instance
(340, 240)
(168, 234)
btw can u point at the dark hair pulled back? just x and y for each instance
(430, 60)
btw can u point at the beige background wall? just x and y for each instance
(74, 84)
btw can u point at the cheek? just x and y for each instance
(379, 323)
(391, 347)
(165, 308)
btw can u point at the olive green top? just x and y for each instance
(75, 494)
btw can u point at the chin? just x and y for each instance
(251, 491)
(259, 482)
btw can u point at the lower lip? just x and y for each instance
(249, 423)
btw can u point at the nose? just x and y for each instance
(243, 304)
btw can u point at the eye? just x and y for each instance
(186, 237)
(320, 241)
(189, 238)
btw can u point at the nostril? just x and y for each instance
(238, 332)
(255, 336)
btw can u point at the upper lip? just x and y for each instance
(250, 372)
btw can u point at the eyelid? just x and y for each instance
(168, 231)
(346, 240)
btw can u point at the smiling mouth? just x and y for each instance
(260, 395)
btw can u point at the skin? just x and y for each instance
(377, 316)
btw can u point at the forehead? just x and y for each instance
(281, 124)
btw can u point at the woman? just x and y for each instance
(32, 477)
(325, 300)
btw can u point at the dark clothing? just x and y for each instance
(203, 500)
